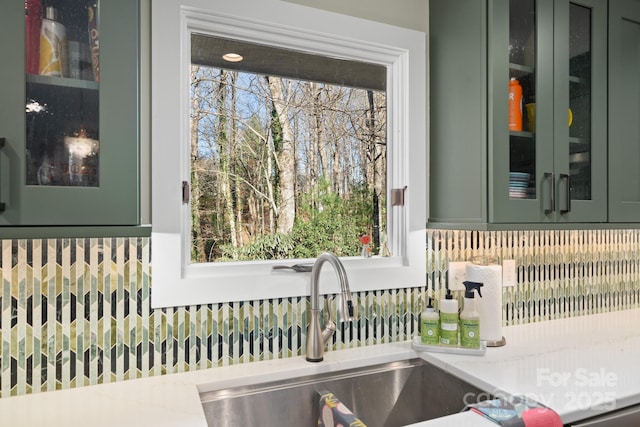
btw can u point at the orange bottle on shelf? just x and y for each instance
(515, 105)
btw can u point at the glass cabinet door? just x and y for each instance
(521, 132)
(578, 115)
(70, 122)
(580, 111)
(62, 94)
(549, 111)
(522, 99)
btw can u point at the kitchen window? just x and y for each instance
(288, 153)
(395, 57)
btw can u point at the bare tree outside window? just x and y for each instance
(284, 167)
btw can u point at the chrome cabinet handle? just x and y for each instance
(552, 194)
(567, 179)
(2, 143)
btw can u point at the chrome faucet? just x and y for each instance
(316, 337)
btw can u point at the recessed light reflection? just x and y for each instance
(232, 57)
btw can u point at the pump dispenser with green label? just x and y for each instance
(430, 325)
(449, 320)
(469, 317)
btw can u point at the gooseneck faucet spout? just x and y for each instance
(317, 337)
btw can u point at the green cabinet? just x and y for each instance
(551, 165)
(70, 134)
(624, 111)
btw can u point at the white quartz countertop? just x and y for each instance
(579, 367)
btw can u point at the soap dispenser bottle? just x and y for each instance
(430, 325)
(469, 317)
(449, 320)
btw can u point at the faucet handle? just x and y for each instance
(330, 325)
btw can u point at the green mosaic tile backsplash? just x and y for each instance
(76, 312)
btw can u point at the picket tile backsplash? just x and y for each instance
(76, 312)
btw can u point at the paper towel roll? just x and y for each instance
(490, 305)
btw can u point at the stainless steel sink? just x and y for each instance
(390, 394)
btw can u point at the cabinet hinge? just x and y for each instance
(185, 192)
(397, 196)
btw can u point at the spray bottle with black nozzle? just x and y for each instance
(469, 317)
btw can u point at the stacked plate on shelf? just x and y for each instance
(518, 185)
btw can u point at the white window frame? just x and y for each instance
(177, 282)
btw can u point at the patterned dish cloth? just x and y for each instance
(333, 413)
(517, 411)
